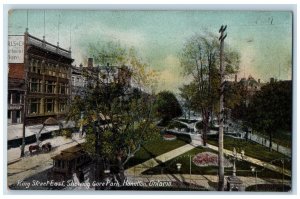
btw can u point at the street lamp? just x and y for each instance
(178, 165)
(254, 170)
(235, 157)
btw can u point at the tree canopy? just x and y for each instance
(200, 61)
(167, 106)
(271, 108)
(116, 110)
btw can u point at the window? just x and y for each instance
(34, 106)
(9, 98)
(35, 66)
(35, 85)
(49, 105)
(73, 81)
(18, 98)
(18, 114)
(50, 86)
(9, 114)
(62, 107)
(62, 88)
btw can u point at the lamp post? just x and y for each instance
(190, 169)
(81, 125)
(233, 182)
(254, 170)
(282, 161)
(234, 158)
(178, 165)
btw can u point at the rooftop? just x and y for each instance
(48, 46)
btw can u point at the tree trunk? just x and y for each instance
(99, 167)
(121, 175)
(99, 175)
(205, 117)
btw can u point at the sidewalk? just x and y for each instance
(140, 168)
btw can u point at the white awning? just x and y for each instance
(15, 131)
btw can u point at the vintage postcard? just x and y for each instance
(150, 100)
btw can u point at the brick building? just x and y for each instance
(45, 76)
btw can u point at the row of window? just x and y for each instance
(49, 106)
(78, 81)
(35, 85)
(49, 69)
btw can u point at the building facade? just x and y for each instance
(46, 73)
(78, 82)
(15, 101)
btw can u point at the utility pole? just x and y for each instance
(25, 90)
(221, 116)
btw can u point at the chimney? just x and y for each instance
(235, 78)
(90, 62)
(258, 81)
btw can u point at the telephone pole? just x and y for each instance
(221, 117)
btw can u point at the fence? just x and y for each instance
(265, 142)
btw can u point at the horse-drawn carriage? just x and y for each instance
(37, 148)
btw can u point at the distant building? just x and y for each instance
(104, 75)
(78, 81)
(250, 86)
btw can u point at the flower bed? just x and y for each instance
(209, 159)
(169, 137)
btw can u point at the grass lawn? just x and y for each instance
(253, 150)
(156, 147)
(243, 168)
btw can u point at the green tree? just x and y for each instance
(167, 106)
(118, 118)
(187, 93)
(200, 60)
(271, 109)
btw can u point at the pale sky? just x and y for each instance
(263, 39)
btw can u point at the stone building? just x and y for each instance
(46, 77)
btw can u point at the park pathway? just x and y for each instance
(140, 168)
